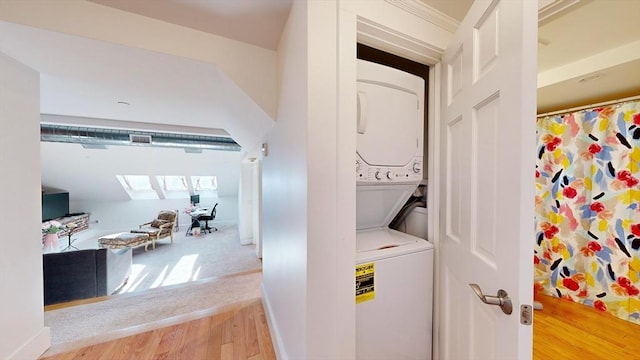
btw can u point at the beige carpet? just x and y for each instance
(190, 258)
(175, 282)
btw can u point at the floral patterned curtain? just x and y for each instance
(588, 208)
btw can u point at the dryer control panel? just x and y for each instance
(368, 174)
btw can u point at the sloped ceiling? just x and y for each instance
(256, 22)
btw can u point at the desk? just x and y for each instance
(199, 212)
(195, 214)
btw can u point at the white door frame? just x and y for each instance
(387, 39)
(382, 38)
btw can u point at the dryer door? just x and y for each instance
(388, 128)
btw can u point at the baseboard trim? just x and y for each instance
(34, 347)
(246, 241)
(276, 339)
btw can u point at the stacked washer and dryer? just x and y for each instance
(394, 270)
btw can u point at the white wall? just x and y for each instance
(284, 177)
(245, 203)
(308, 239)
(285, 204)
(22, 331)
(331, 192)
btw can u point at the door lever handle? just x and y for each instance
(502, 299)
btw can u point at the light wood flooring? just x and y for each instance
(239, 333)
(562, 331)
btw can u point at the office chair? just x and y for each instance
(206, 219)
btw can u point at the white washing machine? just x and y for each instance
(394, 315)
(394, 270)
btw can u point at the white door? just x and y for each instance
(487, 180)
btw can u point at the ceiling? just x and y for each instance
(256, 22)
(588, 52)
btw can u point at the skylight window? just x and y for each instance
(173, 183)
(204, 183)
(138, 187)
(144, 187)
(137, 182)
(173, 186)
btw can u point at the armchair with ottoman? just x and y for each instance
(159, 228)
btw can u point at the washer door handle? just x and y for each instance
(501, 300)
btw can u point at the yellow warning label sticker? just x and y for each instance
(365, 276)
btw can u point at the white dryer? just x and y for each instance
(394, 270)
(390, 137)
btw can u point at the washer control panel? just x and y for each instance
(368, 174)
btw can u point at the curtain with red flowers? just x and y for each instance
(588, 208)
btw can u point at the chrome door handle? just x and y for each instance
(501, 300)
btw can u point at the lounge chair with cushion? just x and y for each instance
(159, 228)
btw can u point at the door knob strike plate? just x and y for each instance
(526, 314)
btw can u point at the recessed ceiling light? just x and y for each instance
(590, 78)
(123, 103)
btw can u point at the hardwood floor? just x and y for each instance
(562, 331)
(240, 333)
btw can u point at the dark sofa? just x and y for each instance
(83, 274)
